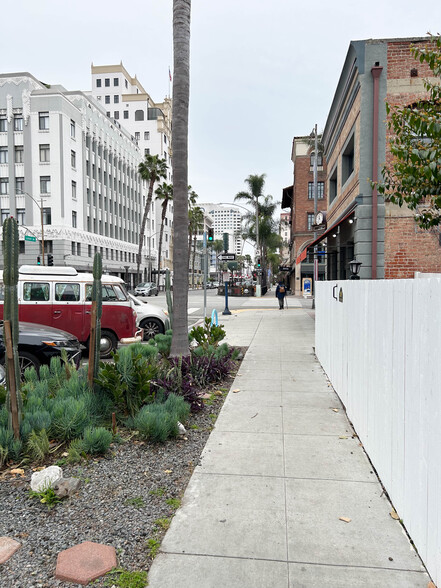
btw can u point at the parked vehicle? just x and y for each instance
(61, 297)
(146, 289)
(151, 318)
(37, 344)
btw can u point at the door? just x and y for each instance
(68, 309)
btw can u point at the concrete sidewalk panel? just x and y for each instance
(258, 394)
(192, 571)
(216, 510)
(371, 539)
(315, 421)
(327, 458)
(322, 576)
(324, 399)
(243, 454)
(250, 418)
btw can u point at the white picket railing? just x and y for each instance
(380, 345)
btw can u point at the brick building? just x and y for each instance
(300, 199)
(383, 236)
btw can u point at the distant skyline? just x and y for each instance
(262, 71)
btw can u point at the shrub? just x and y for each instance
(96, 440)
(177, 406)
(75, 451)
(207, 334)
(70, 417)
(6, 441)
(38, 445)
(156, 423)
(38, 420)
(162, 343)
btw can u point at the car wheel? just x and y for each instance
(108, 344)
(156, 293)
(152, 327)
(27, 360)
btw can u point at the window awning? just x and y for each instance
(287, 197)
(302, 255)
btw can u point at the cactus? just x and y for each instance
(97, 309)
(10, 314)
(169, 297)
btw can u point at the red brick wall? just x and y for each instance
(407, 249)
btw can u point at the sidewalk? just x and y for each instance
(263, 508)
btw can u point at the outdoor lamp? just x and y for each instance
(354, 266)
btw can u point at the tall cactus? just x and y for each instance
(97, 310)
(169, 296)
(10, 326)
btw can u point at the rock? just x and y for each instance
(67, 486)
(182, 429)
(44, 478)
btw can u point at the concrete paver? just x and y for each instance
(85, 562)
(8, 547)
(263, 508)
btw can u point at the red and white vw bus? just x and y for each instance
(61, 297)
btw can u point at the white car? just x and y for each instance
(150, 317)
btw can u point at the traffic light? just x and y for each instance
(38, 260)
(258, 262)
(210, 235)
(50, 259)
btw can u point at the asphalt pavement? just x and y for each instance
(284, 495)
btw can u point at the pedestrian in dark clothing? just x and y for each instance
(281, 293)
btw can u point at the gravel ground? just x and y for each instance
(121, 497)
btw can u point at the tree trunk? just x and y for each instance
(181, 91)
(194, 256)
(143, 224)
(161, 232)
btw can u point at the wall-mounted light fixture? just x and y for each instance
(354, 267)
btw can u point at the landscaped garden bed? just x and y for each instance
(122, 440)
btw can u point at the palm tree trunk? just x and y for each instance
(181, 92)
(161, 232)
(143, 224)
(194, 256)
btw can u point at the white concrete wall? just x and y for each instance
(381, 349)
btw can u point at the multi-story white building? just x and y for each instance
(69, 170)
(226, 219)
(126, 102)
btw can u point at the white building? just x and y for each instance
(61, 156)
(149, 123)
(226, 219)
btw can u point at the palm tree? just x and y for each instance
(192, 197)
(181, 92)
(151, 169)
(217, 246)
(163, 192)
(196, 215)
(255, 184)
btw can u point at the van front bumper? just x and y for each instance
(139, 335)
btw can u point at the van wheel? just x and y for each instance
(152, 327)
(108, 344)
(27, 360)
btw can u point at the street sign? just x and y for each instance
(30, 238)
(284, 268)
(227, 257)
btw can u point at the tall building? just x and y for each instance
(149, 123)
(226, 219)
(69, 175)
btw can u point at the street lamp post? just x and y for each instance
(150, 255)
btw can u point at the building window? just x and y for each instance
(126, 114)
(108, 114)
(139, 115)
(73, 248)
(116, 115)
(19, 153)
(107, 99)
(98, 83)
(3, 155)
(72, 129)
(74, 190)
(5, 214)
(107, 82)
(3, 124)
(4, 186)
(333, 185)
(18, 123)
(320, 190)
(165, 138)
(43, 121)
(19, 185)
(78, 249)
(319, 159)
(146, 151)
(73, 159)
(74, 219)
(127, 84)
(115, 81)
(347, 161)
(47, 216)
(45, 154)
(310, 216)
(146, 135)
(116, 99)
(137, 136)
(45, 184)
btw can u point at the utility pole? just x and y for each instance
(315, 271)
(204, 261)
(259, 282)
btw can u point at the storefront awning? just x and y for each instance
(287, 197)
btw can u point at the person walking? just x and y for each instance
(281, 293)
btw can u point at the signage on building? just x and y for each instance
(284, 268)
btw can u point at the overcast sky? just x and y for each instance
(262, 71)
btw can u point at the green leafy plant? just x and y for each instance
(174, 503)
(158, 492)
(47, 497)
(155, 423)
(153, 546)
(38, 445)
(70, 417)
(96, 440)
(207, 334)
(75, 452)
(137, 502)
(162, 342)
(120, 578)
(163, 523)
